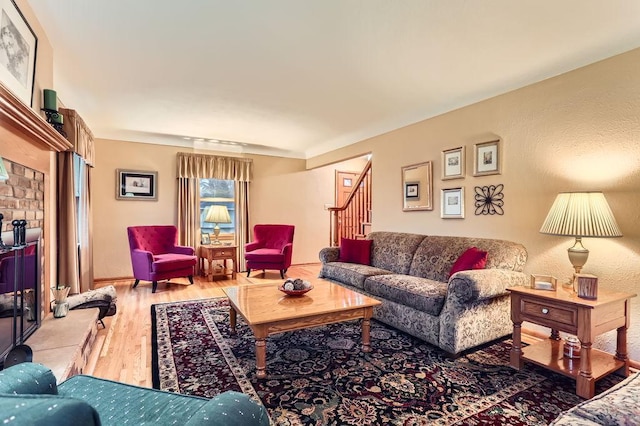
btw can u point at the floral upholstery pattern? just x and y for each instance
(615, 406)
(436, 255)
(410, 276)
(352, 274)
(393, 251)
(418, 293)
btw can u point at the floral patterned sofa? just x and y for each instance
(409, 273)
(616, 406)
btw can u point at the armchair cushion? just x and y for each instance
(265, 255)
(171, 262)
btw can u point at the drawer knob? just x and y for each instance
(545, 311)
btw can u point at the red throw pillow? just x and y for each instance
(472, 258)
(355, 251)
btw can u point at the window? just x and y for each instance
(217, 192)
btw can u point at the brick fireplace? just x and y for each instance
(22, 196)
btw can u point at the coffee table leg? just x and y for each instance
(232, 320)
(261, 351)
(366, 330)
(261, 358)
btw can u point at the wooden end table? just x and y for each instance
(212, 253)
(563, 310)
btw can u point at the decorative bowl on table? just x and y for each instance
(295, 287)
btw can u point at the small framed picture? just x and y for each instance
(452, 203)
(544, 282)
(205, 239)
(136, 185)
(453, 163)
(412, 190)
(487, 158)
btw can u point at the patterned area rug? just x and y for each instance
(320, 376)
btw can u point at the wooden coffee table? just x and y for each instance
(269, 311)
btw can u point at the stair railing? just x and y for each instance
(347, 221)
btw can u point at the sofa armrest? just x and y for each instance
(329, 254)
(483, 284)
(28, 378)
(230, 409)
(189, 251)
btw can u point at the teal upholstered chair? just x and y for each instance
(29, 396)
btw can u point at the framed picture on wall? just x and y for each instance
(136, 185)
(487, 158)
(452, 203)
(18, 44)
(453, 163)
(412, 190)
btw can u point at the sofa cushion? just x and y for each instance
(352, 274)
(355, 251)
(472, 258)
(120, 403)
(436, 255)
(172, 262)
(419, 293)
(393, 251)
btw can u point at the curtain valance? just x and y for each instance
(79, 135)
(202, 166)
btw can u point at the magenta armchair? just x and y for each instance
(156, 256)
(271, 248)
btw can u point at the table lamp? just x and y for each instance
(580, 214)
(217, 214)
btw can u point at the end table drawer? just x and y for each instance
(565, 315)
(222, 252)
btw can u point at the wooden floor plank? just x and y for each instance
(125, 354)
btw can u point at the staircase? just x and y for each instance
(353, 218)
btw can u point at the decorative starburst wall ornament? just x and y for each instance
(489, 199)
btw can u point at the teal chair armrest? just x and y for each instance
(28, 378)
(230, 409)
(46, 410)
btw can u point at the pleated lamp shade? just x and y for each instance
(218, 214)
(581, 214)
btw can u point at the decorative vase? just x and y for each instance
(60, 293)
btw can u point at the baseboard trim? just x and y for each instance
(101, 280)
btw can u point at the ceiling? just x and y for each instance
(298, 78)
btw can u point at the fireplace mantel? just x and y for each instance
(21, 119)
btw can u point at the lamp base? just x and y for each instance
(216, 234)
(578, 255)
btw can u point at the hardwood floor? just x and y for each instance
(122, 350)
